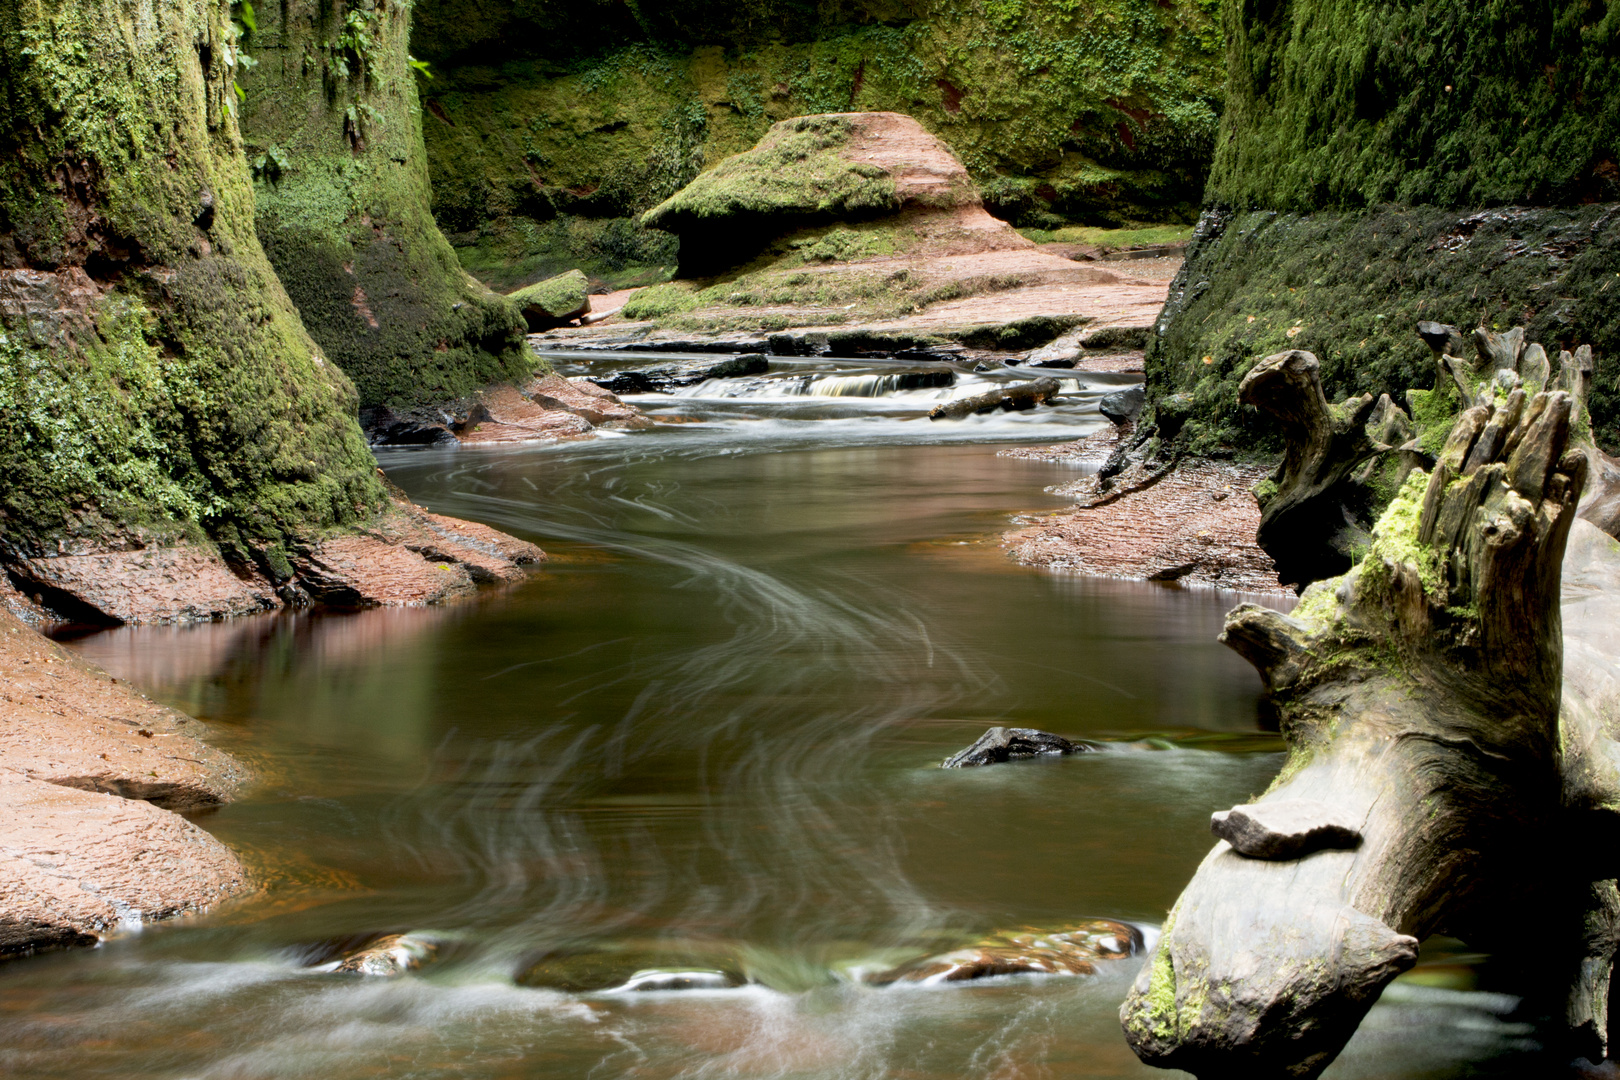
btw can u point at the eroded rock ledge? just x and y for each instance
(91, 774)
(407, 557)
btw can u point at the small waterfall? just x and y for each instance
(875, 385)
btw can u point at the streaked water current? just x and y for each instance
(710, 724)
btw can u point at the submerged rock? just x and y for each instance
(1073, 951)
(393, 954)
(555, 301)
(662, 378)
(1006, 744)
(587, 971)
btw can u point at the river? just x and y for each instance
(708, 728)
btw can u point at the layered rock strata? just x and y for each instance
(93, 778)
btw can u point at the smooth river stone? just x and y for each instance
(1281, 829)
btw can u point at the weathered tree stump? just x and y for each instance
(1316, 513)
(1419, 695)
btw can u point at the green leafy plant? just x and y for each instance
(270, 163)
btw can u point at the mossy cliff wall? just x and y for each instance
(155, 381)
(333, 127)
(1383, 163)
(1099, 111)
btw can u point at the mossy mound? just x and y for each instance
(333, 125)
(155, 381)
(1101, 112)
(553, 301)
(1350, 286)
(810, 170)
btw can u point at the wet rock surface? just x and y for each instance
(1192, 522)
(183, 583)
(586, 970)
(1123, 406)
(1075, 950)
(583, 398)
(1008, 744)
(87, 768)
(1014, 398)
(662, 378)
(389, 955)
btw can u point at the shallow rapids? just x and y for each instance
(708, 728)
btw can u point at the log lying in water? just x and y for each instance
(1419, 695)
(1015, 398)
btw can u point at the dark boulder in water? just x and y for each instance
(1006, 744)
(1123, 406)
(662, 378)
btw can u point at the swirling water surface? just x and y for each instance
(710, 726)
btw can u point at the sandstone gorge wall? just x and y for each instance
(550, 126)
(332, 123)
(1380, 164)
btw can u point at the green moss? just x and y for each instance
(798, 169)
(1351, 286)
(346, 222)
(660, 301)
(1101, 113)
(1112, 239)
(1345, 103)
(616, 252)
(157, 382)
(1434, 412)
(558, 297)
(1395, 537)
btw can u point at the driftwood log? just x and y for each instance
(1014, 398)
(1429, 761)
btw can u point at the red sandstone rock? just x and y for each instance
(505, 415)
(1196, 525)
(80, 852)
(364, 571)
(585, 399)
(76, 864)
(150, 585)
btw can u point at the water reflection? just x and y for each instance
(711, 722)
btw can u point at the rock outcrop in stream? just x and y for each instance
(90, 776)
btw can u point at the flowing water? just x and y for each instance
(707, 733)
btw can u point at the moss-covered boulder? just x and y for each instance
(156, 384)
(811, 170)
(550, 126)
(554, 301)
(332, 121)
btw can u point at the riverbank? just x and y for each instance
(1190, 522)
(94, 778)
